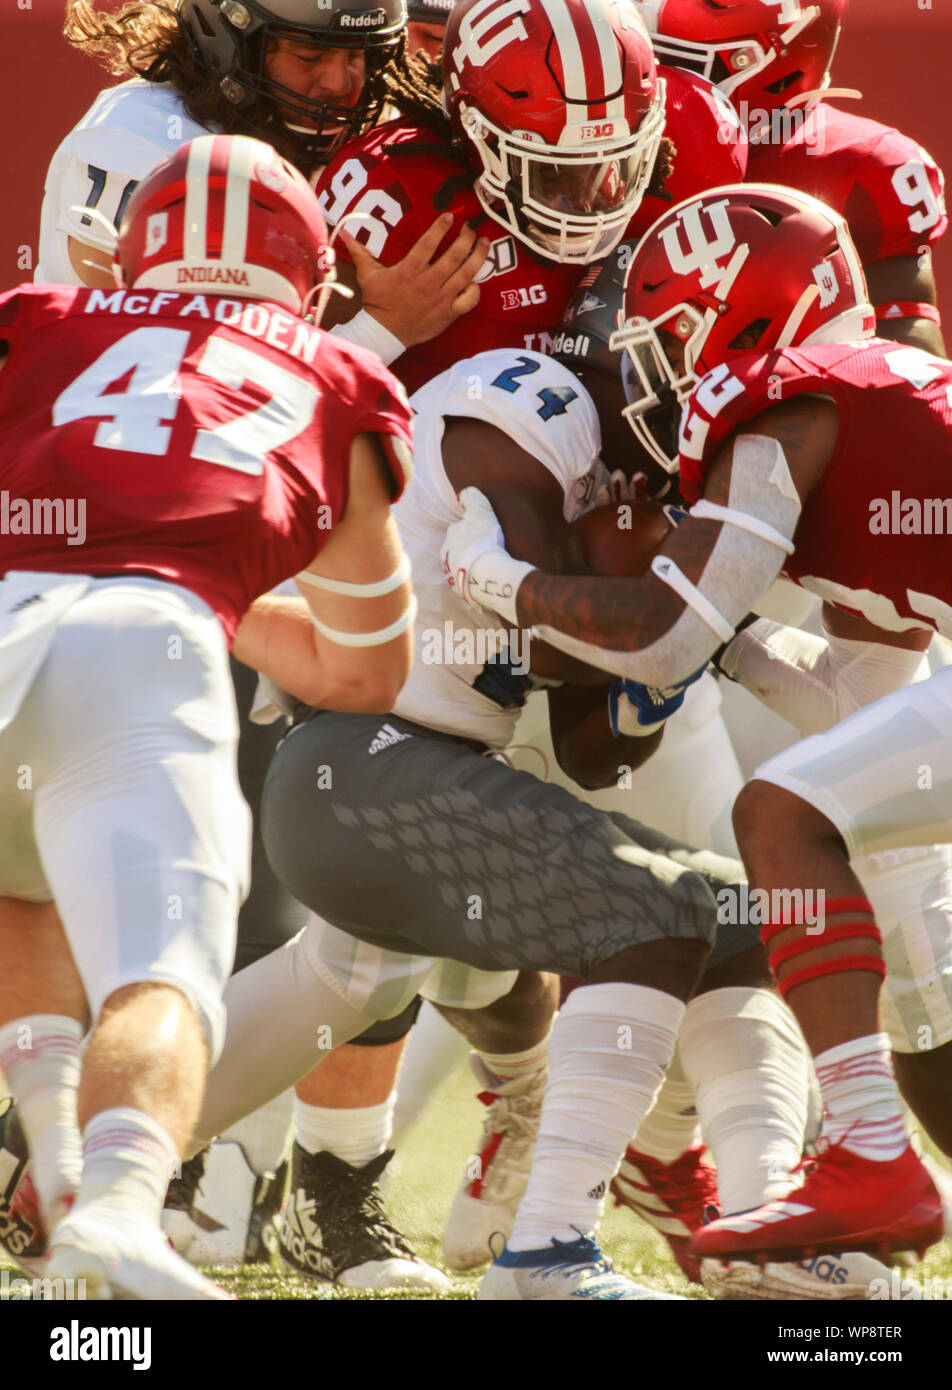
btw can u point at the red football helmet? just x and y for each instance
(764, 52)
(226, 215)
(742, 269)
(560, 106)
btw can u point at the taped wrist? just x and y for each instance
(363, 330)
(845, 931)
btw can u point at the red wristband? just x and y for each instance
(907, 309)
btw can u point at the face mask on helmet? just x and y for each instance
(765, 53)
(237, 41)
(744, 269)
(592, 315)
(561, 112)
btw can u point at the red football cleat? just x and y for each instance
(671, 1197)
(844, 1203)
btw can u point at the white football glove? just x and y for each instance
(475, 560)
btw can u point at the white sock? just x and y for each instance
(608, 1052)
(748, 1062)
(264, 1136)
(670, 1126)
(356, 1136)
(128, 1159)
(41, 1057)
(433, 1052)
(511, 1066)
(861, 1105)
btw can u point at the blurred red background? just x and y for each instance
(895, 57)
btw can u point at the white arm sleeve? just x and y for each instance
(740, 569)
(814, 683)
(363, 330)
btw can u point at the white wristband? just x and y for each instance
(363, 330)
(494, 581)
(373, 590)
(369, 639)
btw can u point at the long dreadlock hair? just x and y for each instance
(151, 40)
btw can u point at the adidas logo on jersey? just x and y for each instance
(597, 1193)
(386, 738)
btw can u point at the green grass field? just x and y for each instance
(424, 1175)
(428, 1164)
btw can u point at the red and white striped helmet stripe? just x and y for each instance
(596, 78)
(196, 199)
(236, 159)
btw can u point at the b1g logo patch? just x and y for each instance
(524, 297)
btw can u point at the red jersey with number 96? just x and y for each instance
(396, 179)
(875, 534)
(200, 439)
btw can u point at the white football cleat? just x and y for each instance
(825, 1277)
(565, 1270)
(122, 1258)
(486, 1202)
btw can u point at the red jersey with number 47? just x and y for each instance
(875, 534)
(889, 190)
(200, 439)
(400, 176)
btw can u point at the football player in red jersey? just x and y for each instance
(747, 307)
(556, 119)
(773, 61)
(242, 446)
(305, 77)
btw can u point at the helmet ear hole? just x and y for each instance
(748, 338)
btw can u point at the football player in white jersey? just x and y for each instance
(305, 78)
(447, 865)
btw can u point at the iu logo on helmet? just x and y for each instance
(479, 37)
(829, 287)
(702, 252)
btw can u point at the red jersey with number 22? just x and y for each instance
(873, 537)
(200, 439)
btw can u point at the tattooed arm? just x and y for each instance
(652, 632)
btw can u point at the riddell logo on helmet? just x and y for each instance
(370, 19)
(211, 275)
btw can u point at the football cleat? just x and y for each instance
(485, 1204)
(671, 1197)
(825, 1277)
(574, 1269)
(124, 1258)
(218, 1211)
(334, 1227)
(22, 1236)
(844, 1201)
